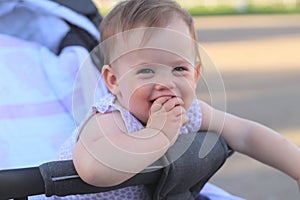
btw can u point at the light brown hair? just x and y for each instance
(130, 14)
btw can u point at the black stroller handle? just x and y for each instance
(57, 178)
(20, 183)
(61, 179)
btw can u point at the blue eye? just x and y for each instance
(180, 68)
(145, 71)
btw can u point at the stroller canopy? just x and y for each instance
(44, 88)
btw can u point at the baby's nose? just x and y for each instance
(164, 82)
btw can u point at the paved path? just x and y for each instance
(258, 57)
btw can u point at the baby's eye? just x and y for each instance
(145, 71)
(180, 69)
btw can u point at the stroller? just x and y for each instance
(42, 46)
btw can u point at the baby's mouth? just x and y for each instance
(152, 101)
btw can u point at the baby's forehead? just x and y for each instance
(158, 56)
(152, 41)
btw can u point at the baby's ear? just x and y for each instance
(110, 79)
(197, 71)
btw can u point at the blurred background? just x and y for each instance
(255, 45)
(258, 58)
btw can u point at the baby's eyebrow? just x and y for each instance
(143, 64)
(180, 58)
(181, 62)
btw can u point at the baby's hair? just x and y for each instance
(131, 14)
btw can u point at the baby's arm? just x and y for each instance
(254, 140)
(106, 155)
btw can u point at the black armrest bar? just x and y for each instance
(18, 183)
(57, 178)
(61, 179)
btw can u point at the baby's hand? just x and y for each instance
(168, 115)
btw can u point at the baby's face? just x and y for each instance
(160, 68)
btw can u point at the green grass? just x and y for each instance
(229, 10)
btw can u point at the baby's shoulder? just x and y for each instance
(105, 123)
